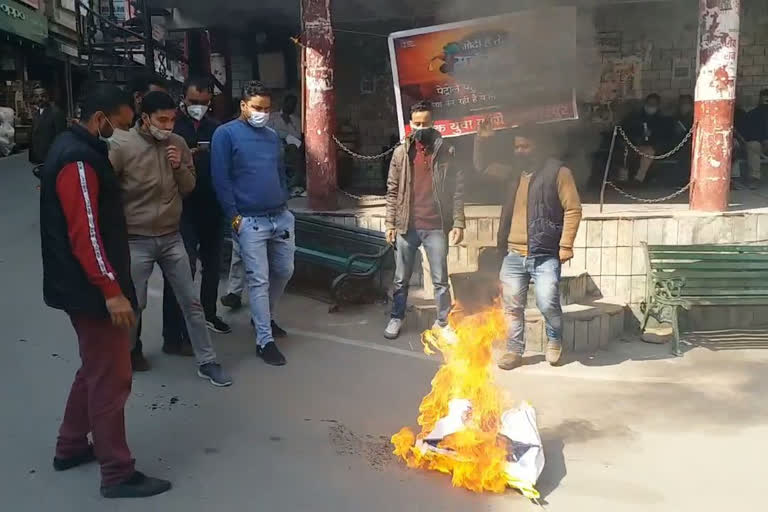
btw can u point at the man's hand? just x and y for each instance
(121, 312)
(391, 236)
(174, 156)
(566, 254)
(485, 128)
(456, 236)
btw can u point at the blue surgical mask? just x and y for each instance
(258, 119)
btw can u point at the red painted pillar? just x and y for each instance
(718, 52)
(320, 104)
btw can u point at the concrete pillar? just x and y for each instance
(320, 104)
(718, 52)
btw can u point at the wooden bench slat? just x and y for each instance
(726, 284)
(711, 274)
(736, 257)
(697, 292)
(719, 301)
(708, 248)
(711, 265)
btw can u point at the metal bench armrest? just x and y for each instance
(362, 256)
(670, 288)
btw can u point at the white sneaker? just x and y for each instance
(446, 333)
(393, 328)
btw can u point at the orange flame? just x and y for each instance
(478, 457)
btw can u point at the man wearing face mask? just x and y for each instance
(756, 134)
(425, 206)
(649, 131)
(201, 223)
(155, 170)
(683, 123)
(538, 226)
(86, 273)
(249, 178)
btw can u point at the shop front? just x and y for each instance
(23, 40)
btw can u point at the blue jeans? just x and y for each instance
(267, 244)
(516, 274)
(436, 246)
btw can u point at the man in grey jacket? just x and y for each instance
(425, 206)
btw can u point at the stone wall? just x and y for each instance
(609, 249)
(671, 31)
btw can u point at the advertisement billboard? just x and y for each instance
(511, 69)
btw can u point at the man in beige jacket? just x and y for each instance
(155, 170)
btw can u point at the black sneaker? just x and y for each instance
(271, 354)
(217, 325)
(74, 461)
(178, 348)
(137, 486)
(232, 301)
(277, 331)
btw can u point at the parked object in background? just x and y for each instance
(7, 132)
(352, 255)
(682, 276)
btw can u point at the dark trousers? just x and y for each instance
(203, 239)
(97, 399)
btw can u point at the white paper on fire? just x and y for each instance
(525, 454)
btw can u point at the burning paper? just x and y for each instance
(468, 429)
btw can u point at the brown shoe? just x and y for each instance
(178, 349)
(510, 361)
(139, 363)
(554, 353)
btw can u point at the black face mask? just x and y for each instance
(426, 136)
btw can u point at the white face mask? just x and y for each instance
(159, 134)
(197, 112)
(258, 119)
(107, 139)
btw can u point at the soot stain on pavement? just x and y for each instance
(377, 452)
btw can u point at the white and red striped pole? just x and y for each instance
(718, 53)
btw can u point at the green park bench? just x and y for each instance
(682, 276)
(352, 256)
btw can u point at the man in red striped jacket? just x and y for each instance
(86, 273)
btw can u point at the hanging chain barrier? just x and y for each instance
(649, 201)
(368, 158)
(657, 157)
(628, 144)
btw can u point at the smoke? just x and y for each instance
(548, 56)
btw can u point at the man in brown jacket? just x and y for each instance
(155, 170)
(425, 206)
(538, 225)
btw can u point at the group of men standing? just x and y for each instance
(539, 221)
(140, 180)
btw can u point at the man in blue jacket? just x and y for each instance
(249, 179)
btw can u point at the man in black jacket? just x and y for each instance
(201, 223)
(86, 273)
(756, 133)
(47, 122)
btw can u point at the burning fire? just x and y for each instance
(478, 456)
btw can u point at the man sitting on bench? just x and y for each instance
(756, 134)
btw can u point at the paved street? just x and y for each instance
(630, 429)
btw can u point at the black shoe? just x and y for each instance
(232, 301)
(139, 362)
(277, 331)
(271, 354)
(77, 460)
(217, 325)
(138, 486)
(178, 348)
